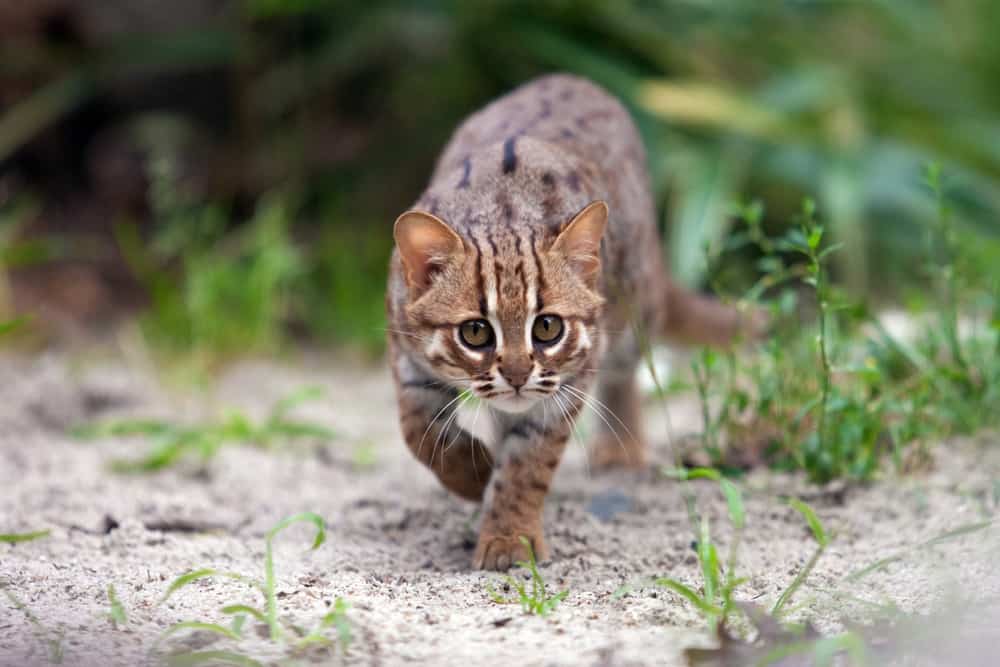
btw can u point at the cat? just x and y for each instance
(529, 271)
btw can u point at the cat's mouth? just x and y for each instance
(513, 402)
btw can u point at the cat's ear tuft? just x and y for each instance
(580, 241)
(426, 244)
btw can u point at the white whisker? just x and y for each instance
(593, 404)
(431, 424)
(573, 433)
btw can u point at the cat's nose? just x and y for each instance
(516, 375)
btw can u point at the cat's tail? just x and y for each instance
(694, 319)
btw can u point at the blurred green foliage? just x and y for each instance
(330, 114)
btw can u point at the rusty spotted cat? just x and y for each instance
(526, 277)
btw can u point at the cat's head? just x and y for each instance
(510, 314)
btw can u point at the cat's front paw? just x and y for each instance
(501, 552)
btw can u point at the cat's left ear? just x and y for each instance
(426, 244)
(580, 241)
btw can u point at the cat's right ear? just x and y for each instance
(426, 244)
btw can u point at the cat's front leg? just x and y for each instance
(512, 508)
(428, 420)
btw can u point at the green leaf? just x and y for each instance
(689, 595)
(814, 523)
(305, 517)
(830, 250)
(337, 617)
(734, 501)
(815, 237)
(701, 473)
(295, 399)
(239, 620)
(117, 612)
(10, 326)
(809, 210)
(15, 538)
(196, 575)
(244, 609)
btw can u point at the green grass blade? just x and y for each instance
(958, 532)
(23, 121)
(797, 582)
(199, 625)
(117, 610)
(943, 537)
(734, 498)
(337, 617)
(305, 517)
(16, 538)
(52, 641)
(163, 456)
(269, 579)
(690, 595)
(294, 400)
(10, 326)
(211, 658)
(122, 428)
(196, 575)
(234, 609)
(709, 561)
(734, 501)
(814, 523)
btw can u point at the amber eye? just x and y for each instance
(476, 333)
(547, 328)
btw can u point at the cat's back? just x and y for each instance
(558, 118)
(565, 110)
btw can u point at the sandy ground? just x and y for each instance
(399, 547)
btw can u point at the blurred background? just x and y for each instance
(226, 172)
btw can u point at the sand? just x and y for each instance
(399, 548)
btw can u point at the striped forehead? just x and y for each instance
(508, 276)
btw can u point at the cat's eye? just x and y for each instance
(476, 333)
(547, 328)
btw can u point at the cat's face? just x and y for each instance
(512, 319)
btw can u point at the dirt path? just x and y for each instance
(399, 547)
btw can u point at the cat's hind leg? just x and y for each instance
(618, 440)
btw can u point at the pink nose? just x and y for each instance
(516, 376)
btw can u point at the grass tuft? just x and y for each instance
(822, 542)
(535, 600)
(51, 640)
(835, 394)
(268, 615)
(172, 443)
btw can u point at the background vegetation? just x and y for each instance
(236, 166)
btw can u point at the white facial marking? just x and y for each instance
(583, 342)
(436, 347)
(477, 420)
(497, 332)
(514, 403)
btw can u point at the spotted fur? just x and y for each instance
(540, 205)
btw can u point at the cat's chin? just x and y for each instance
(513, 404)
